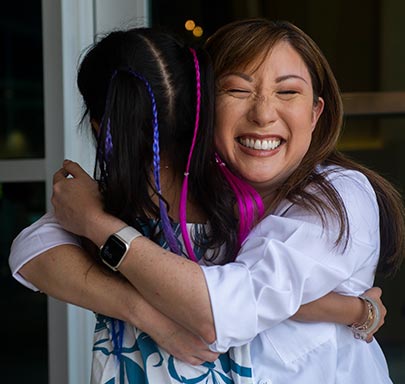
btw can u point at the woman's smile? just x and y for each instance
(259, 144)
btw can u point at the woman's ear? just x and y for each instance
(317, 111)
(95, 126)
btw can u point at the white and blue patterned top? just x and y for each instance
(141, 359)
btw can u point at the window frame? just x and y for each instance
(68, 27)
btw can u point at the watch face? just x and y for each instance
(113, 251)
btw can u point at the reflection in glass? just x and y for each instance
(24, 312)
(21, 89)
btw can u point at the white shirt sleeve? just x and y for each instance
(39, 237)
(290, 260)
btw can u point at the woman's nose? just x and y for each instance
(262, 111)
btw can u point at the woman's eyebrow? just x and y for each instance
(279, 79)
(287, 77)
(242, 75)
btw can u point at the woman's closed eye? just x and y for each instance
(287, 94)
(239, 93)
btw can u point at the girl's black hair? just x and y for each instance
(111, 93)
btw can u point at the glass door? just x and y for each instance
(22, 186)
(41, 42)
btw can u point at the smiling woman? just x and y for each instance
(268, 109)
(322, 233)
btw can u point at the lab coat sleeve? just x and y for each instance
(287, 261)
(39, 237)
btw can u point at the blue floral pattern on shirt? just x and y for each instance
(142, 361)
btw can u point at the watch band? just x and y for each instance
(116, 247)
(128, 234)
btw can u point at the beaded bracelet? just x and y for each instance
(362, 331)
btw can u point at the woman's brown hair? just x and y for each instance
(241, 43)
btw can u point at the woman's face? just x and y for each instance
(265, 118)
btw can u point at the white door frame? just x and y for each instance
(70, 26)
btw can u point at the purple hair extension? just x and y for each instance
(117, 336)
(250, 204)
(104, 156)
(104, 152)
(164, 217)
(108, 148)
(108, 145)
(184, 188)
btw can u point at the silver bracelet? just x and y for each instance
(362, 331)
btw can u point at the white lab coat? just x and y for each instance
(290, 259)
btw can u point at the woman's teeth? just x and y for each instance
(264, 145)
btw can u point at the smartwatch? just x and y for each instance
(113, 252)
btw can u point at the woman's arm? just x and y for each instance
(40, 236)
(47, 258)
(346, 310)
(69, 274)
(177, 286)
(144, 264)
(333, 308)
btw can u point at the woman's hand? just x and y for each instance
(375, 294)
(76, 198)
(347, 310)
(185, 346)
(78, 204)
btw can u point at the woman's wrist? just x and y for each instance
(360, 312)
(100, 227)
(371, 320)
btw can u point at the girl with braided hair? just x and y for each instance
(149, 98)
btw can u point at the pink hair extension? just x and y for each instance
(250, 204)
(184, 188)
